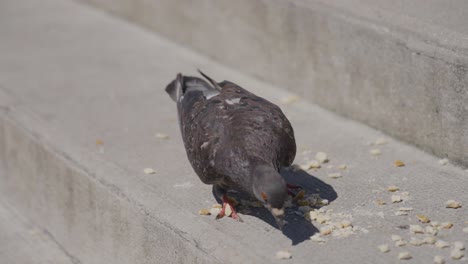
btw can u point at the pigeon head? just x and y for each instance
(269, 187)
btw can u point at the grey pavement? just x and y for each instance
(21, 242)
(398, 66)
(71, 75)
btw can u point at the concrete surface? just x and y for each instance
(23, 243)
(399, 66)
(71, 75)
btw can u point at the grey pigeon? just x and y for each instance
(235, 140)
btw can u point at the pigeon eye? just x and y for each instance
(264, 196)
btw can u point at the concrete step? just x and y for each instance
(81, 99)
(21, 242)
(399, 66)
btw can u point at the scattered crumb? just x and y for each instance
(429, 240)
(323, 218)
(345, 223)
(415, 229)
(380, 141)
(399, 163)
(324, 202)
(228, 211)
(453, 204)
(443, 162)
(400, 243)
(416, 241)
(282, 254)
(423, 218)
(342, 167)
(406, 209)
(396, 198)
(313, 215)
(317, 238)
(380, 202)
(161, 136)
(396, 237)
(446, 225)
(204, 212)
(459, 245)
(149, 171)
(456, 254)
(335, 175)
(326, 230)
(384, 248)
(290, 99)
(434, 223)
(392, 188)
(99, 142)
(375, 152)
(217, 206)
(322, 157)
(215, 211)
(430, 230)
(441, 244)
(400, 213)
(404, 255)
(313, 164)
(439, 260)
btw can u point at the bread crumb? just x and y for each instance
(458, 245)
(342, 167)
(380, 202)
(404, 255)
(204, 212)
(446, 225)
(429, 240)
(396, 198)
(313, 164)
(423, 219)
(313, 215)
(400, 243)
(149, 171)
(405, 209)
(415, 229)
(441, 244)
(396, 237)
(217, 206)
(317, 238)
(282, 254)
(290, 99)
(345, 224)
(384, 248)
(392, 188)
(399, 163)
(334, 175)
(400, 213)
(443, 162)
(227, 211)
(326, 230)
(380, 141)
(215, 211)
(323, 218)
(99, 142)
(439, 260)
(456, 254)
(453, 204)
(375, 152)
(430, 230)
(161, 136)
(416, 241)
(322, 157)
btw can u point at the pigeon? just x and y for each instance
(235, 141)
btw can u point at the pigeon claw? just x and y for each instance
(228, 209)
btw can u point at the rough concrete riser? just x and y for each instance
(395, 80)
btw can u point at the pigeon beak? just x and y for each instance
(278, 214)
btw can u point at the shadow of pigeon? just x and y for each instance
(298, 228)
